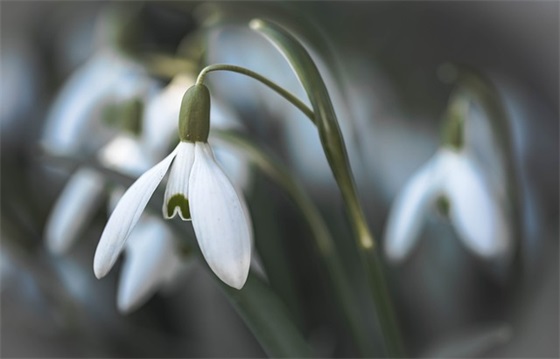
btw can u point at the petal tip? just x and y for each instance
(233, 274)
(100, 267)
(98, 273)
(237, 282)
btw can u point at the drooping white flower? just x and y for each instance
(197, 188)
(475, 210)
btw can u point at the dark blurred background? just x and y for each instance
(390, 54)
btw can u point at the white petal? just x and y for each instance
(176, 192)
(220, 219)
(74, 209)
(408, 211)
(151, 260)
(125, 216)
(475, 212)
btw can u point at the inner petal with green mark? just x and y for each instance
(178, 204)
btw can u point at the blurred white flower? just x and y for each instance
(220, 217)
(475, 210)
(107, 78)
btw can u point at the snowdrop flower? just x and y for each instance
(197, 188)
(475, 210)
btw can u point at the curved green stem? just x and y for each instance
(275, 87)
